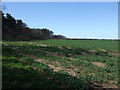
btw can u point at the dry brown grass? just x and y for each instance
(99, 64)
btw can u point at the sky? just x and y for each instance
(72, 19)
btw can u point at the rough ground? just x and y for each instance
(56, 66)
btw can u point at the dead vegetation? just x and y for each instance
(99, 64)
(56, 67)
(72, 59)
(43, 45)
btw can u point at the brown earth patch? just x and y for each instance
(61, 48)
(51, 53)
(102, 50)
(69, 48)
(118, 54)
(42, 61)
(54, 54)
(91, 74)
(56, 64)
(109, 85)
(5, 44)
(30, 43)
(92, 51)
(71, 72)
(105, 86)
(70, 67)
(85, 61)
(55, 68)
(72, 59)
(82, 53)
(41, 45)
(99, 64)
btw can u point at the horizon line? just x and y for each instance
(96, 38)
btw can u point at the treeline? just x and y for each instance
(16, 29)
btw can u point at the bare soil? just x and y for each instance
(99, 64)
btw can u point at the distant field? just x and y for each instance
(76, 64)
(109, 45)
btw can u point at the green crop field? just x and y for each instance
(75, 64)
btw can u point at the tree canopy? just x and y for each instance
(14, 29)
